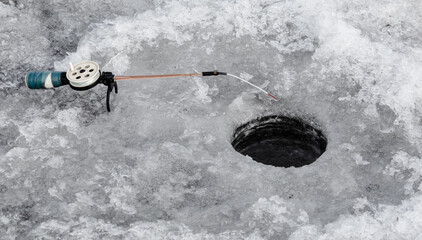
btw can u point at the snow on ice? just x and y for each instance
(160, 165)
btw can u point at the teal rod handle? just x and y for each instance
(45, 79)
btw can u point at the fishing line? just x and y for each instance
(253, 85)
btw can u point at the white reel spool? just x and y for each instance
(83, 74)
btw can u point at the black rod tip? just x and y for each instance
(213, 73)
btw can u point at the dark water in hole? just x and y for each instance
(280, 141)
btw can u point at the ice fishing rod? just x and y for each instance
(86, 75)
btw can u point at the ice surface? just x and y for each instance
(161, 166)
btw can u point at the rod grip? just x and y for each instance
(45, 79)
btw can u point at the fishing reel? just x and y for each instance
(80, 77)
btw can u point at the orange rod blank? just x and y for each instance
(156, 76)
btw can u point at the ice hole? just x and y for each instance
(280, 141)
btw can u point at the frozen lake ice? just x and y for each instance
(161, 165)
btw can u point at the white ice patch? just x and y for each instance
(69, 118)
(246, 76)
(119, 64)
(202, 91)
(402, 162)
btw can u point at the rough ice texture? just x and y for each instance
(160, 165)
